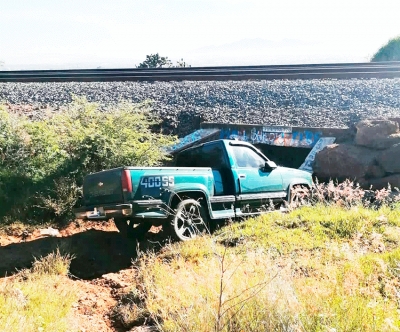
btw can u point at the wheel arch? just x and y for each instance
(197, 195)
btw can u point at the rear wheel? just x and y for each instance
(122, 225)
(190, 220)
(130, 229)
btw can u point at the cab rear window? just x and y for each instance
(208, 155)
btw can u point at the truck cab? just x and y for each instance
(246, 182)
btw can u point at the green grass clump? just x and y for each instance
(355, 296)
(39, 299)
(54, 264)
(339, 312)
(310, 227)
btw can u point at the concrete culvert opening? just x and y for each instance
(285, 145)
(287, 156)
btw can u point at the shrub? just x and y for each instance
(43, 162)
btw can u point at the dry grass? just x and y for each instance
(38, 299)
(333, 266)
(217, 292)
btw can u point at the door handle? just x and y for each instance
(242, 176)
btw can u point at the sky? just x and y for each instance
(69, 34)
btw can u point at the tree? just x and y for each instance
(388, 52)
(155, 61)
(181, 63)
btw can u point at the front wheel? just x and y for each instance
(189, 221)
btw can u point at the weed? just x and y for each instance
(54, 264)
(131, 311)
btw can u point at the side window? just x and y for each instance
(209, 155)
(246, 157)
(186, 159)
(213, 155)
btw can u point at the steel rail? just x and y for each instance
(234, 73)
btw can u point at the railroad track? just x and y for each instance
(235, 73)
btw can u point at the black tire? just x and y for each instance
(130, 229)
(138, 231)
(189, 221)
(122, 225)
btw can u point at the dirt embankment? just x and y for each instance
(101, 270)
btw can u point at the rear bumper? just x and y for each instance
(103, 212)
(134, 209)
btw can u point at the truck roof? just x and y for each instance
(225, 141)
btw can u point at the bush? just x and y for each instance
(43, 162)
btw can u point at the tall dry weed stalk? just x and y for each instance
(346, 194)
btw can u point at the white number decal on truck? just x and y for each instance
(157, 181)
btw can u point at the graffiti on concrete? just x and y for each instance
(322, 142)
(191, 138)
(279, 136)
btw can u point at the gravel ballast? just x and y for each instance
(183, 105)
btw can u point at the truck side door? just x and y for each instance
(214, 155)
(257, 187)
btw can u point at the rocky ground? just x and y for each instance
(101, 271)
(183, 105)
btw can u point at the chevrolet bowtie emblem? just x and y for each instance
(101, 184)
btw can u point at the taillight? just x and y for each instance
(126, 181)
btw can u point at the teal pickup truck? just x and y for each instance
(217, 180)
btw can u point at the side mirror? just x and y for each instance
(269, 166)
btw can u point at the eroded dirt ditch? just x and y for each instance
(101, 270)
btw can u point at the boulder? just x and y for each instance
(393, 180)
(375, 171)
(390, 159)
(377, 134)
(344, 161)
(382, 143)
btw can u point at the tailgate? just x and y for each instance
(103, 187)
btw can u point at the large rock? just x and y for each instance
(393, 180)
(390, 159)
(377, 134)
(345, 161)
(375, 171)
(386, 142)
